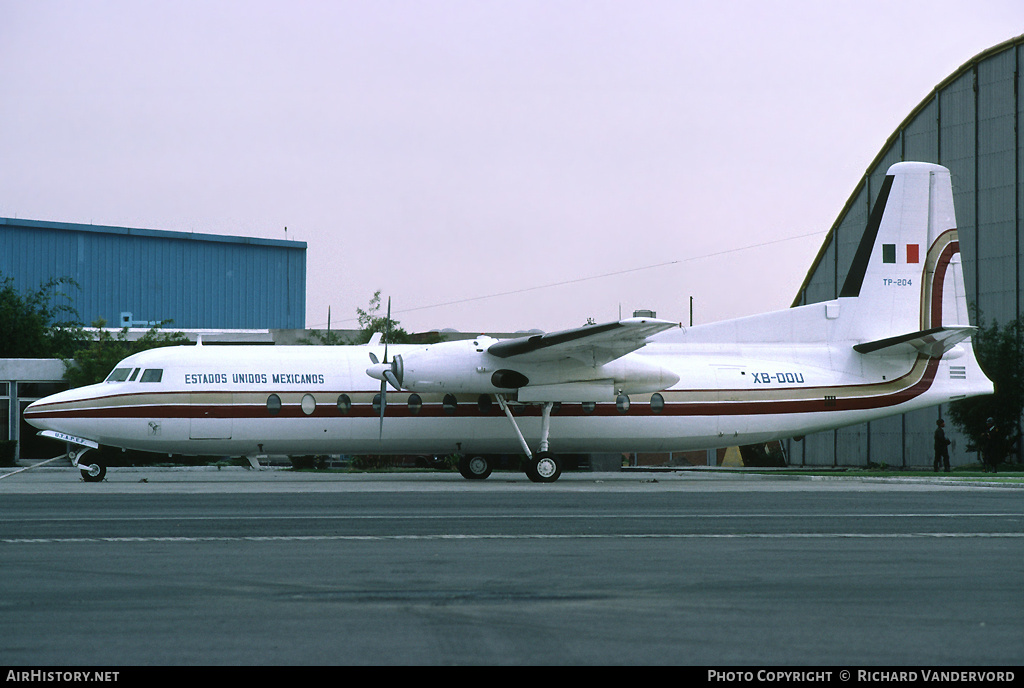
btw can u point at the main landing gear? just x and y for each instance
(474, 467)
(543, 467)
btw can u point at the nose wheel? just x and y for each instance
(91, 472)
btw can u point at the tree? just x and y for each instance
(95, 359)
(371, 321)
(39, 324)
(1000, 352)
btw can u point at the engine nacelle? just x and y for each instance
(463, 366)
(466, 367)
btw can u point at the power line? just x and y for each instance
(523, 290)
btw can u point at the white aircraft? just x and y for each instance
(897, 339)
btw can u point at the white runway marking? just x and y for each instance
(634, 536)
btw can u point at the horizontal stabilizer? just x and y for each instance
(934, 342)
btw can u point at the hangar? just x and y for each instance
(970, 123)
(196, 280)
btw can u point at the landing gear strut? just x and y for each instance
(543, 467)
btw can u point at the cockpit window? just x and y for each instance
(135, 374)
(119, 375)
(153, 375)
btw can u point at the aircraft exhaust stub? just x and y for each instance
(509, 379)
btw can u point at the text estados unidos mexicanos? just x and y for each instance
(254, 378)
(862, 675)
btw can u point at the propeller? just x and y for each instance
(385, 372)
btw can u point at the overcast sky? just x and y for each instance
(463, 157)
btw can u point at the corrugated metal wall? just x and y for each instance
(971, 124)
(196, 280)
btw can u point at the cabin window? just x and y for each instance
(273, 404)
(415, 404)
(344, 404)
(450, 404)
(153, 375)
(589, 406)
(484, 405)
(622, 403)
(308, 404)
(657, 403)
(119, 375)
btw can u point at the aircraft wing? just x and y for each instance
(590, 344)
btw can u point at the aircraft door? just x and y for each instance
(732, 384)
(211, 419)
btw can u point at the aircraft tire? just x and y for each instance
(474, 467)
(93, 473)
(544, 468)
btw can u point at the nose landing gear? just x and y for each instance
(91, 473)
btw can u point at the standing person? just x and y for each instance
(990, 446)
(941, 446)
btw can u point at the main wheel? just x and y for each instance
(544, 468)
(474, 467)
(93, 473)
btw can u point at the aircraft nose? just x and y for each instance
(33, 414)
(39, 414)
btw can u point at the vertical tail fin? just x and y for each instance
(906, 275)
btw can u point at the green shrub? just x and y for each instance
(8, 450)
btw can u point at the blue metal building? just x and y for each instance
(198, 281)
(970, 123)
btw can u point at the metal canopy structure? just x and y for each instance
(970, 123)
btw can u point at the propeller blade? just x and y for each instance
(387, 333)
(383, 372)
(383, 405)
